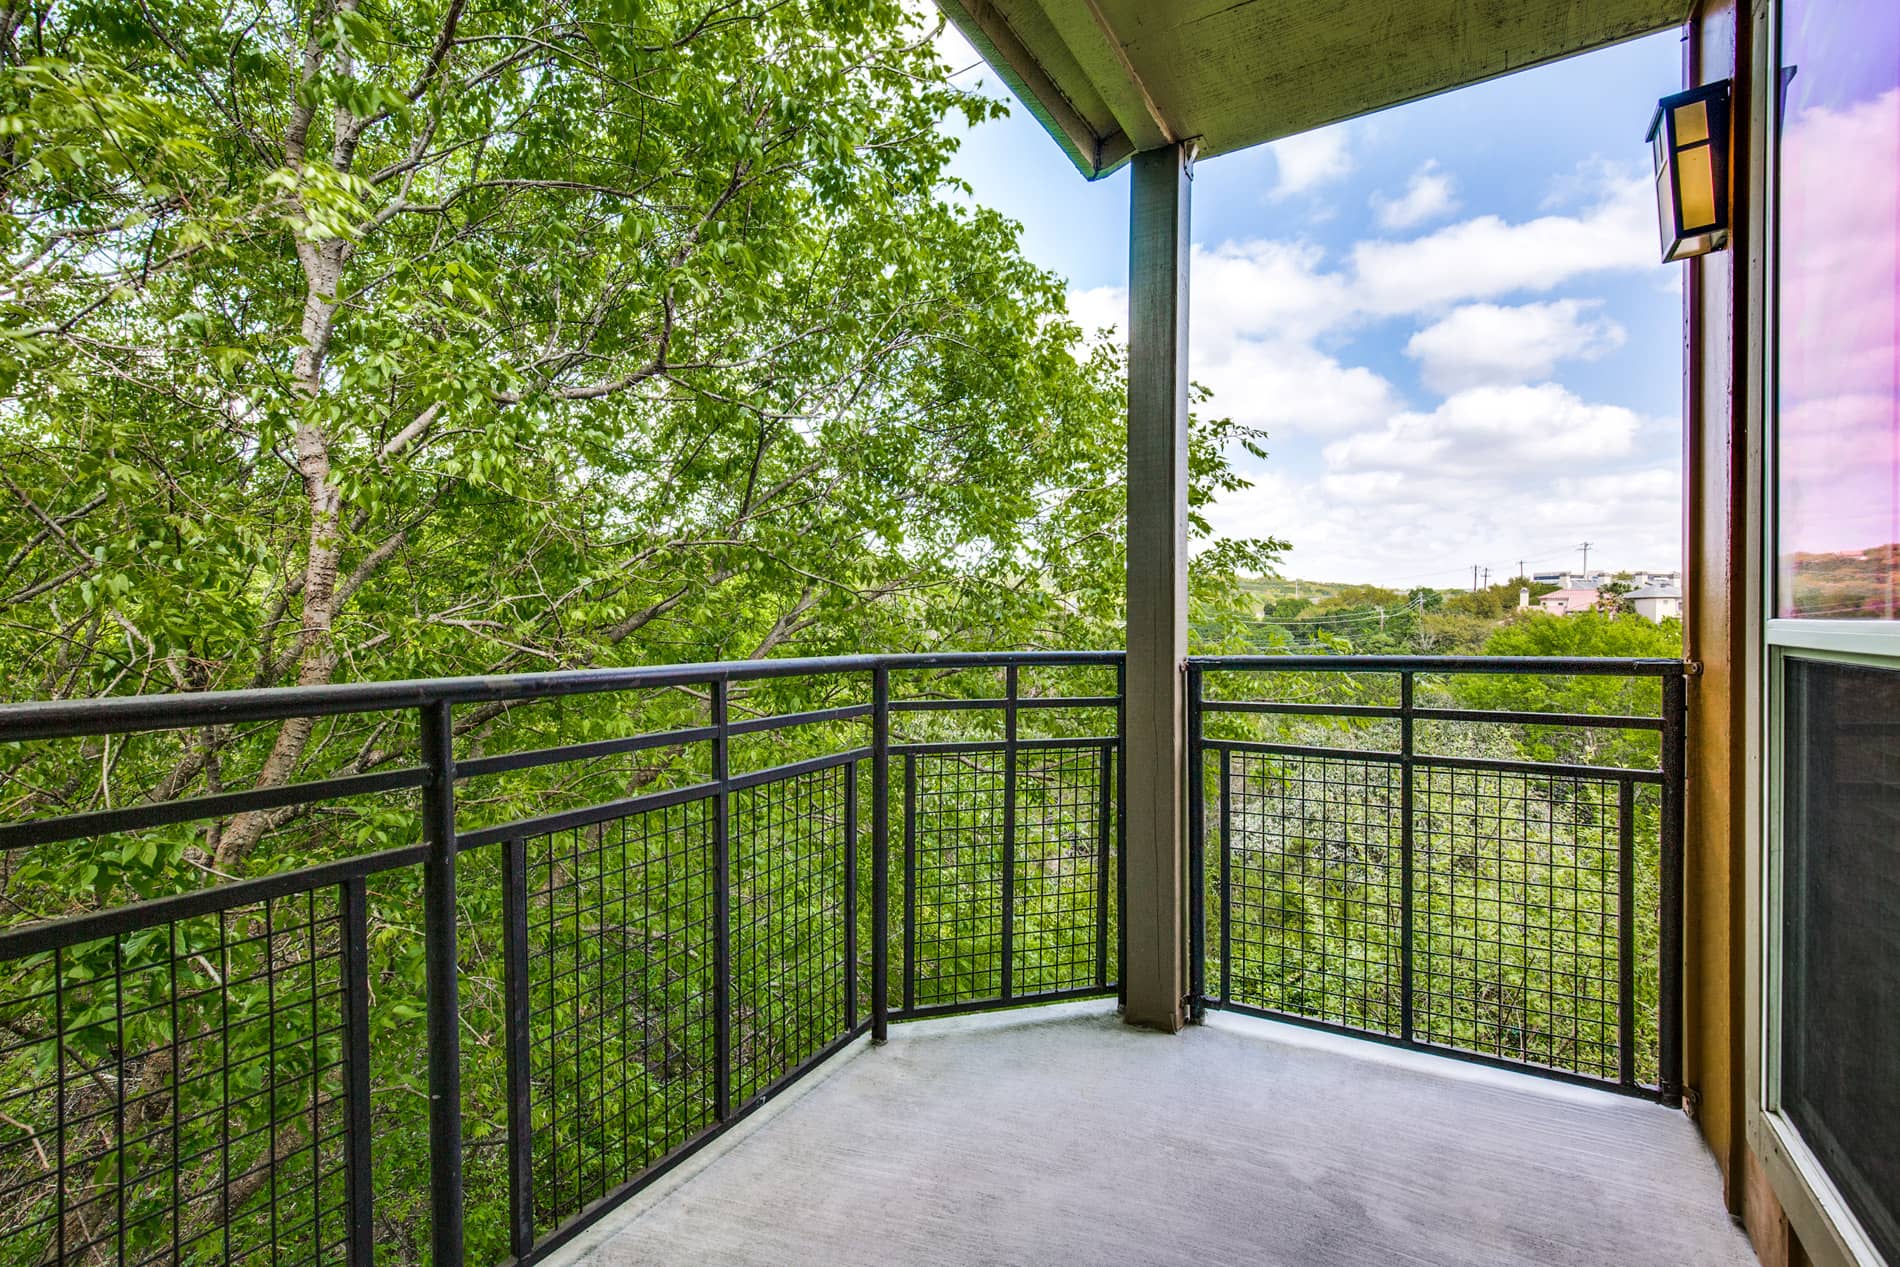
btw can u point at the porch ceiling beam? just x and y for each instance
(1109, 77)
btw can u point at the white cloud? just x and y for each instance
(1305, 162)
(1255, 311)
(1265, 313)
(1286, 385)
(1480, 344)
(1489, 256)
(1402, 530)
(1429, 195)
(1505, 462)
(1491, 432)
(1259, 287)
(1100, 308)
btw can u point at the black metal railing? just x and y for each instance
(500, 991)
(1479, 856)
(231, 1074)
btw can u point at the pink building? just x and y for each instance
(1566, 602)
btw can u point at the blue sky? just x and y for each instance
(1449, 317)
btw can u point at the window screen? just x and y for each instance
(1840, 1042)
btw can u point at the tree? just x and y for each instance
(1578, 635)
(352, 342)
(349, 341)
(1613, 596)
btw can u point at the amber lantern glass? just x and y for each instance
(1688, 141)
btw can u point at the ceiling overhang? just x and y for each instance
(1107, 78)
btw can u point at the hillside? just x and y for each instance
(1298, 615)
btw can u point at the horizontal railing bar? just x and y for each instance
(844, 712)
(1300, 710)
(1527, 1067)
(1598, 721)
(48, 935)
(586, 816)
(60, 719)
(530, 758)
(1598, 773)
(41, 831)
(1027, 701)
(57, 719)
(949, 747)
(793, 769)
(1603, 773)
(1548, 666)
(1213, 744)
(1593, 721)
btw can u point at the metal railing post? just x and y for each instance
(1407, 899)
(910, 881)
(1626, 932)
(1669, 950)
(514, 905)
(1226, 881)
(1103, 847)
(356, 1141)
(1121, 833)
(444, 1024)
(880, 853)
(722, 906)
(850, 895)
(1197, 846)
(1011, 684)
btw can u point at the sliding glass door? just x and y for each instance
(1831, 797)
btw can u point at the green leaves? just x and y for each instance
(424, 339)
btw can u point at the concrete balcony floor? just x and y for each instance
(1058, 1135)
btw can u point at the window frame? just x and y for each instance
(1808, 1194)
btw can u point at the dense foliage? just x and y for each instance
(372, 341)
(1516, 926)
(357, 340)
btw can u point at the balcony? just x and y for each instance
(1059, 1135)
(600, 954)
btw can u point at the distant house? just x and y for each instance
(1567, 602)
(1658, 601)
(1569, 580)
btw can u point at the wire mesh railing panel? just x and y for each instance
(1311, 857)
(953, 817)
(189, 1080)
(789, 907)
(1517, 933)
(620, 965)
(1060, 923)
(1497, 876)
(177, 1092)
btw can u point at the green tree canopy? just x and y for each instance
(343, 340)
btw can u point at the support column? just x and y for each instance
(1156, 795)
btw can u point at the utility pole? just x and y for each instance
(1487, 578)
(1520, 570)
(1585, 547)
(1474, 578)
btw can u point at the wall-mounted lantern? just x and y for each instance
(1689, 139)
